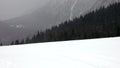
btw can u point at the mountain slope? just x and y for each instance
(9, 33)
(101, 23)
(53, 13)
(6, 32)
(101, 3)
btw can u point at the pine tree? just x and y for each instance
(104, 22)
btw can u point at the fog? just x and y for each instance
(14, 8)
(22, 18)
(10, 9)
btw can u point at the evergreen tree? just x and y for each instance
(104, 22)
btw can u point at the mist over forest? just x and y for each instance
(26, 19)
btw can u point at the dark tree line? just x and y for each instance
(104, 22)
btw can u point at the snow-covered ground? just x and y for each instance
(97, 53)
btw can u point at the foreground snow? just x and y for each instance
(98, 53)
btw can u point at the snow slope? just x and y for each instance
(97, 53)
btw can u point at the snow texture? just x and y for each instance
(98, 53)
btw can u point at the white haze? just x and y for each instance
(14, 8)
(22, 18)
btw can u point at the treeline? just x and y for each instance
(104, 22)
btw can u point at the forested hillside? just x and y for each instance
(101, 23)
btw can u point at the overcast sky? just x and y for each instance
(14, 8)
